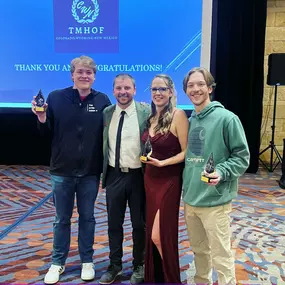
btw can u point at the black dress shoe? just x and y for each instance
(110, 276)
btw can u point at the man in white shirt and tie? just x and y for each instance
(124, 124)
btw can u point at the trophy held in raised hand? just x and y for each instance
(40, 101)
(209, 168)
(147, 151)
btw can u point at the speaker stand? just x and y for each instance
(282, 179)
(272, 165)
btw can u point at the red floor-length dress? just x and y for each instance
(163, 193)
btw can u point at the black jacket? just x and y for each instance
(77, 132)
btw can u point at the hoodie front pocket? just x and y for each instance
(215, 190)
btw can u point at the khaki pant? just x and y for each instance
(210, 237)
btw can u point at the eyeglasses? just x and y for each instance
(160, 89)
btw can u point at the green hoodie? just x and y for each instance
(218, 131)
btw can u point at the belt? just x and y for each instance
(125, 169)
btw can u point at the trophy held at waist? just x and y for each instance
(147, 150)
(208, 169)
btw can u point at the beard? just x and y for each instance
(124, 99)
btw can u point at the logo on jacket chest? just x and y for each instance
(91, 108)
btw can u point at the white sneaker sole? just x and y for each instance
(88, 279)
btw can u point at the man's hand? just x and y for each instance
(215, 178)
(42, 114)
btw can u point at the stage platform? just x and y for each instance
(27, 214)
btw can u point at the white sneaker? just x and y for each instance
(87, 272)
(53, 273)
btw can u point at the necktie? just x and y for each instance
(118, 141)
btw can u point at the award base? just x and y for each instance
(205, 179)
(39, 109)
(144, 158)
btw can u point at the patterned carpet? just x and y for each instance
(27, 213)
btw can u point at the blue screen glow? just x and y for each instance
(40, 37)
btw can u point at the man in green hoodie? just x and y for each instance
(218, 133)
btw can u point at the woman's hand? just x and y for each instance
(154, 162)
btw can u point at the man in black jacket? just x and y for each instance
(74, 116)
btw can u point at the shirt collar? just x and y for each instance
(128, 110)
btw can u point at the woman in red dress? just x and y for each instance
(167, 130)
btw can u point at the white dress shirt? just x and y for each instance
(130, 140)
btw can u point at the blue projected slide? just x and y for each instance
(143, 38)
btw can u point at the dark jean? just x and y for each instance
(64, 189)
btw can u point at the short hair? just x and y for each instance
(124, 76)
(85, 61)
(210, 81)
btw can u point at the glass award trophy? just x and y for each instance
(40, 101)
(147, 151)
(209, 168)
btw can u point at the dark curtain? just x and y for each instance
(237, 60)
(21, 142)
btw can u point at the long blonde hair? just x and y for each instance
(165, 117)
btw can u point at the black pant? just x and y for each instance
(123, 188)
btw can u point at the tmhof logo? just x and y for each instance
(86, 26)
(85, 14)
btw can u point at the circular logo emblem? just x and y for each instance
(85, 14)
